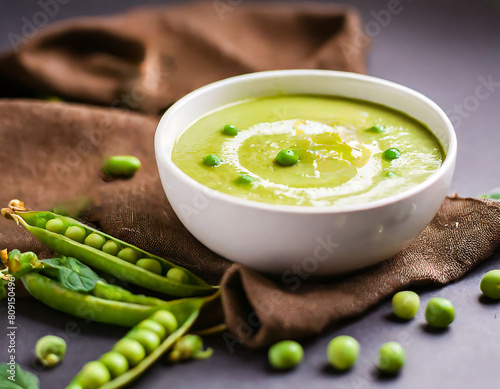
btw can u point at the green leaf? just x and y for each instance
(17, 378)
(71, 273)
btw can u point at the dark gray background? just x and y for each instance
(437, 47)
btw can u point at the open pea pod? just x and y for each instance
(183, 284)
(88, 307)
(107, 377)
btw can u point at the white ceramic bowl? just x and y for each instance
(292, 239)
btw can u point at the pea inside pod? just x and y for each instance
(54, 225)
(111, 248)
(148, 339)
(76, 233)
(167, 320)
(131, 349)
(93, 376)
(95, 240)
(150, 264)
(178, 275)
(115, 362)
(129, 254)
(154, 327)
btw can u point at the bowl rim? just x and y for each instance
(166, 160)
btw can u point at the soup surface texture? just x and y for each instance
(338, 151)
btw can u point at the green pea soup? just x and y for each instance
(345, 149)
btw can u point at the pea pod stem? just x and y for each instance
(105, 262)
(215, 330)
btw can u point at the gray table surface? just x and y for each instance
(440, 48)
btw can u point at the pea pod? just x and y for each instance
(186, 313)
(49, 228)
(90, 307)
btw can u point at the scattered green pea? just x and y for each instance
(230, 130)
(41, 222)
(154, 326)
(211, 160)
(50, 350)
(76, 233)
(285, 354)
(405, 304)
(287, 157)
(55, 225)
(150, 264)
(179, 275)
(95, 240)
(391, 154)
(389, 174)
(111, 248)
(391, 358)
(129, 254)
(131, 349)
(342, 352)
(439, 312)
(244, 179)
(377, 129)
(167, 320)
(147, 338)
(121, 166)
(93, 375)
(115, 362)
(490, 284)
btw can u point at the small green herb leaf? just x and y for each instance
(71, 273)
(13, 377)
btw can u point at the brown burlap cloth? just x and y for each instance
(145, 60)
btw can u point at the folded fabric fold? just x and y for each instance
(147, 58)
